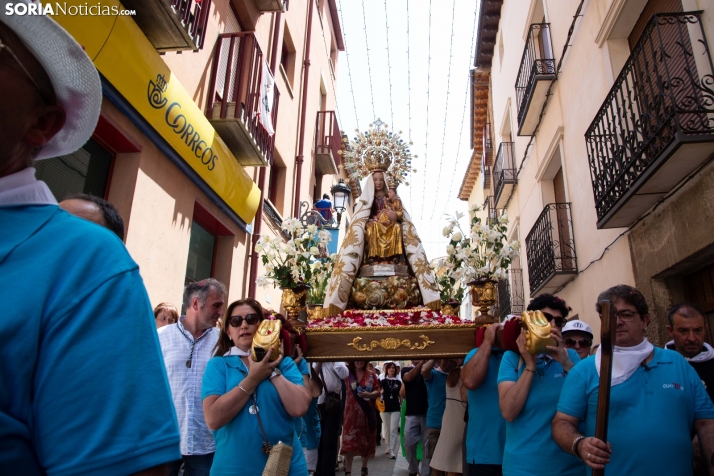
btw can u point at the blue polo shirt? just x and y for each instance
(308, 427)
(436, 387)
(239, 442)
(83, 387)
(651, 414)
(530, 449)
(486, 429)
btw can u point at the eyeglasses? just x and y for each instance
(584, 342)
(250, 319)
(5, 47)
(559, 321)
(626, 315)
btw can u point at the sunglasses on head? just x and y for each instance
(250, 319)
(584, 342)
(559, 321)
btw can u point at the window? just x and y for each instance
(200, 254)
(287, 57)
(84, 171)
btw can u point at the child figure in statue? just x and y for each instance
(383, 230)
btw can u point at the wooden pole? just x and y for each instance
(608, 319)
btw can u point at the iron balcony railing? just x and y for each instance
(195, 19)
(537, 60)
(510, 293)
(504, 169)
(663, 94)
(492, 213)
(327, 135)
(235, 87)
(550, 246)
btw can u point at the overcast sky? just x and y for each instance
(374, 82)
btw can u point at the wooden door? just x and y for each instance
(699, 289)
(564, 250)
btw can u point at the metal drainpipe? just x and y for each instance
(300, 157)
(261, 176)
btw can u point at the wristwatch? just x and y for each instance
(276, 373)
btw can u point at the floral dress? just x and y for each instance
(359, 430)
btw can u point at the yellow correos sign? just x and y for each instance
(126, 58)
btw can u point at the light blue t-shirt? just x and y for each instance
(83, 387)
(657, 406)
(239, 442)
(530, 449)
(436, 387)
(308, 427)
(486, 429)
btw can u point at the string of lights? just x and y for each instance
(369, 66)
(409, 97)
(468, 83)
(426, 143)
(446, 109)
(349, 70)
(389, 65)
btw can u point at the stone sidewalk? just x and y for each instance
(381, 465)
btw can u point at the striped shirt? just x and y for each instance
(185, 383)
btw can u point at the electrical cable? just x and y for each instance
(349, 70)
(369, 66)
(389, 65)
(426, 131)
(446, 109)
(409, 99)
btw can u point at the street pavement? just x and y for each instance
(381, 465)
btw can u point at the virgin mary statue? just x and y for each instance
(381, 231)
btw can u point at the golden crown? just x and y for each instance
(375, 150)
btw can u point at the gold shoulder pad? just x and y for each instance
(537, 332)
(267, 337)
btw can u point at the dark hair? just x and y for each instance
(201, 290)
(628, 294)
(684, 309)
(548, 300)
(224, 343)
(388, 366)
(168, 307)
(112, 220)
(353, 370)
(325, 196)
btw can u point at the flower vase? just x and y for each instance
(483, 296)
(450, 308)
(293, 301)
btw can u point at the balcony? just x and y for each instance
(550, 248)
(504, 174)
(492, 213)
(535, 75)
(271, 5)
(172, 25)
(486, 177)
(327, 143)
(487, 145)
(510, 293)
(234, 99)
(656, 125)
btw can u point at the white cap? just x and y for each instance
(74, 78)
(577, 326)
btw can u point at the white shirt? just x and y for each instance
(333, 373)
(185, 383)
(22, 188)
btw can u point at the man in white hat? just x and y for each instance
(83, 389)
(577, 335)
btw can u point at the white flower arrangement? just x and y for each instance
(483, 254)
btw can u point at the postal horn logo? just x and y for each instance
(179, 123)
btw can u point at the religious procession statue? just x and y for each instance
(381, 263)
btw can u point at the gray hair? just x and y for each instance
(201, 290)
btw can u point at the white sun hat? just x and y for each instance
(74, 78)
(577, 326)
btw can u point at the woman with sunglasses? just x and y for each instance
(528, 390)
(244, 399)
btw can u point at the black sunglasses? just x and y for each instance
(559, 321)
(584, 342)
(250, 319)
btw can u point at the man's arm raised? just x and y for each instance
(473, 374)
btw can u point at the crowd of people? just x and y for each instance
(86, 376)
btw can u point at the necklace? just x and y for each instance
(193, 343)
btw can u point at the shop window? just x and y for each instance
(201, 251)
(84, 171)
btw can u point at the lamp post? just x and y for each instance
(340, 198)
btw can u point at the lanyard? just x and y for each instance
(193, 343)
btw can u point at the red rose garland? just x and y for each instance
(407, 317)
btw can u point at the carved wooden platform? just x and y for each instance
(390, 342)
